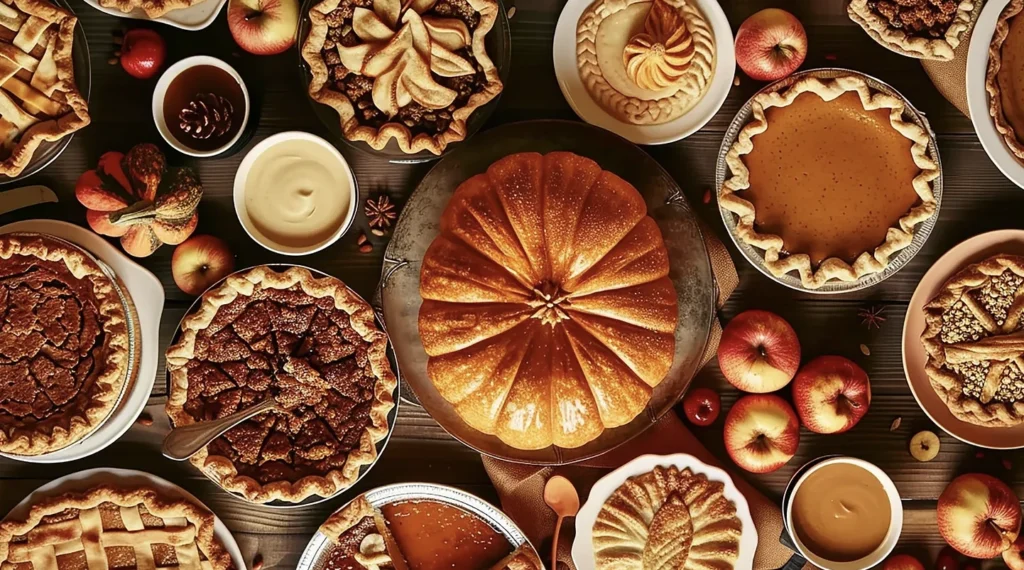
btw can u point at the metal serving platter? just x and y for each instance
(315, 555)
(392, 415)
(398, 300)
(792, 280)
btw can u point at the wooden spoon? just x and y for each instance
(561, 496)
(184, 442)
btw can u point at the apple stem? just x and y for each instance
(783, 50)
(253, 14)
(761, 350)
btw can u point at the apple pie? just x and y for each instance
(974, 338)
(152, 8)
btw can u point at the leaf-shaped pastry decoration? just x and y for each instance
(421, 40)
(446, 63)
(659, 56)
(388, 10)
(670, 535)
(369, 27)
(449, 32)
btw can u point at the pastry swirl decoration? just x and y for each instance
(659, 56)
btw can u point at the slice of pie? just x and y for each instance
(1004, 79)
(829, 179)
(926, 29)
(153, 8)
(311, 343)
(113, 527)
(667, 518)
(39, 101)
(409, 71)
(64, 344)
(974, 337)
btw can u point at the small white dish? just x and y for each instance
(239, 193)
(977, 96)
(148, 295)
(583, 104)
(84, 480)
(160, 91)
(582, 546)
(193, 18)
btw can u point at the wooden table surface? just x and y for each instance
(977, 198)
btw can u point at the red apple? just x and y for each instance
(902, 562)
(759, 352)
(1013, 557)
(761, 433)
(702, 406)
(199, 262)
(770, 45)
(831, 394)
(263, 27)
(142, 53)
(948, 559)
(979, 515)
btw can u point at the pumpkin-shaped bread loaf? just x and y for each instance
(547, 314)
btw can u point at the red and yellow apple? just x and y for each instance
(770, 45)
(761, 433)
(831, 394)
(199, 262)
(902, 562)
(1014, 557)
(759, 352)
(263, 27)
(979, 515)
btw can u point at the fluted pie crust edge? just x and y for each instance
(898, 237)
(995, 63)
(922, 48)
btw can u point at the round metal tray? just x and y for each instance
(398, 298)
(756, 256)
(392, 415)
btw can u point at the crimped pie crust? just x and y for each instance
(109, 376)
(923, 48)
(159, 505)
(995, 62)
(321, 90)
(222, 469)
(897, 238)
(153, 8)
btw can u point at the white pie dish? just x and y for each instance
(576, 94)
(148, 295)
(193, 18)
(582, 546)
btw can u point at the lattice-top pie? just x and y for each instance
(112, 527)
(39, 100)
(975, 342)
(309, 342)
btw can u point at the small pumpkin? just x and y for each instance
(138, 198)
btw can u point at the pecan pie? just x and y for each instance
(1004, 81)
(974, 337)
(112, 527)
(925, 29)
(309, 342)
(64, 344)
(412, 71)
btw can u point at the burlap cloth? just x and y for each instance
(950, 77)
(521, 487)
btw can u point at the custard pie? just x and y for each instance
(925, 29)
(829, 179)
(1004, 79)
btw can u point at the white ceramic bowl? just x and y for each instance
(895, 524)
(242, 174)
(160, 91)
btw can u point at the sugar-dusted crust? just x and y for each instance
(156, 503)
(153, 8)
(220, 468)
(320, 88)
(922, 48)
(995, 63)
(55, 128)
(61, 430)
(897, 238)
(522, 558)
(347, 517)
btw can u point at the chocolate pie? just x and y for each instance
(64, 344)
(412, 71)
(925, 29)
(309, 342)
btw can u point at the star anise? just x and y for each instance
(380, 212)
(872, 317)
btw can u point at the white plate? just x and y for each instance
(580, 100)
(148, 295)
(193, 18)
(977, 97)
(84, 480)
(582, 546)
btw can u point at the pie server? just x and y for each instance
(17, 198)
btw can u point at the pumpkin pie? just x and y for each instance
(64, 344)
(925, 29)
(829, 179)
(309, 342)
(112, 527)
(1004, 79)
(645, 62)
(974, 337)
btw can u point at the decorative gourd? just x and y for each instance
(136, 197)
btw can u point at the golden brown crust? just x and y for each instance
(347, 517)
(995, 62)
(522, 558)
(221, 469)
(156, 503)
(153, 8)
(897, 40)
(60, 430)
(321, 90)
(897, 238)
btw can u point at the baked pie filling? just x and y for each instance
(926, 18)
(926, 29)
